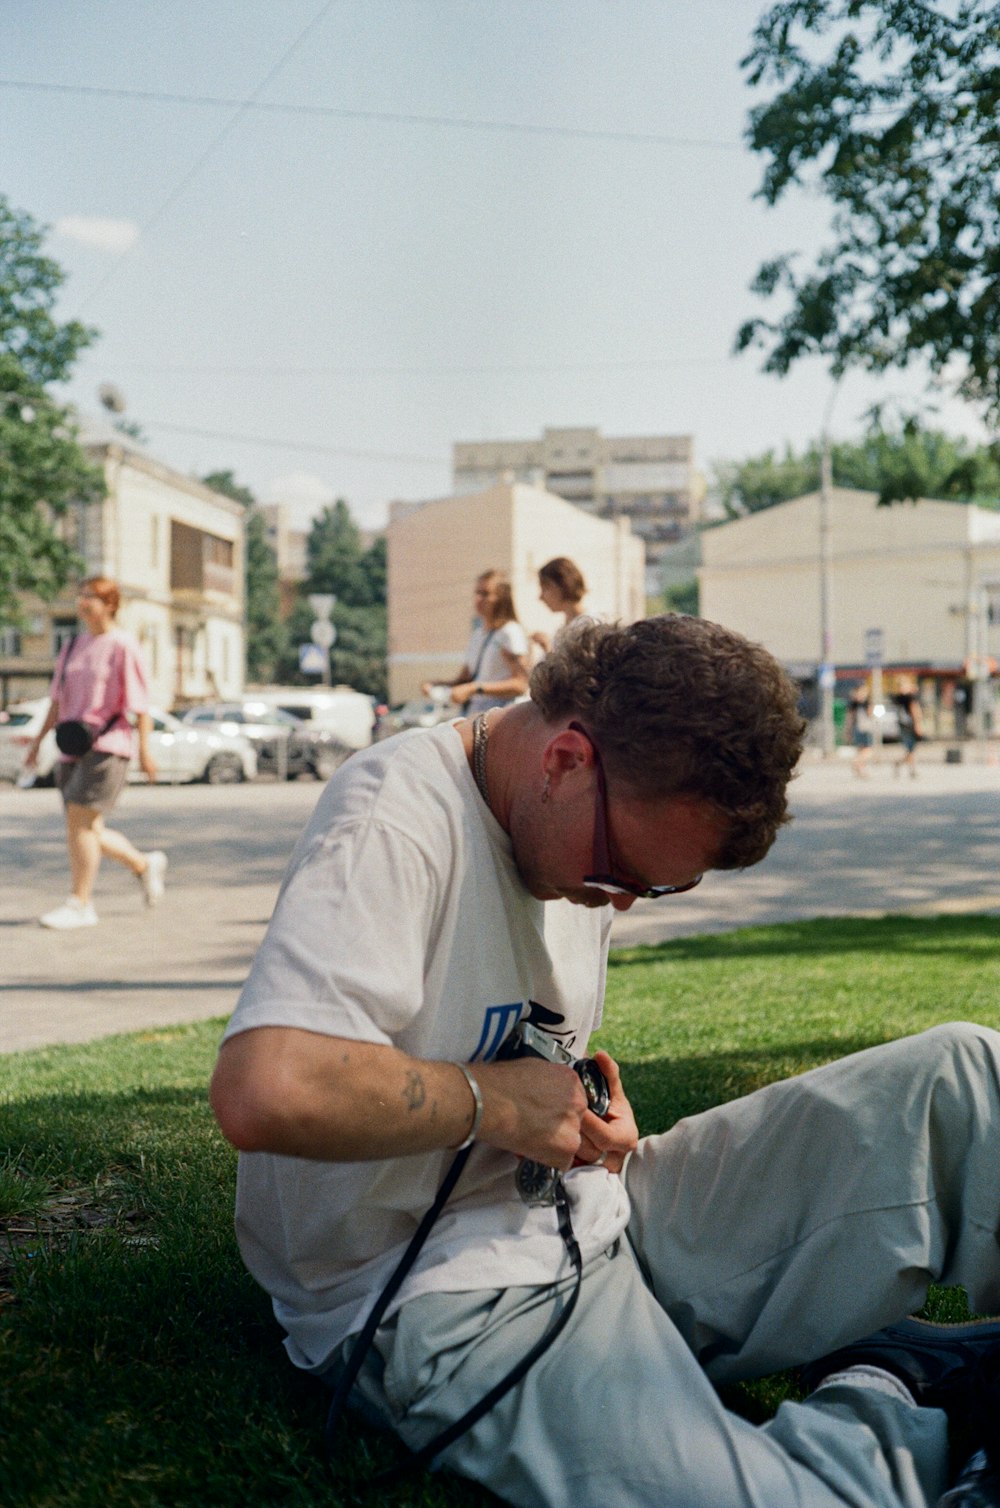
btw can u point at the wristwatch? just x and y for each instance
(477, 689)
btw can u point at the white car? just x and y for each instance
(181, 753)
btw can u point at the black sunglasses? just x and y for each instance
(602, 878)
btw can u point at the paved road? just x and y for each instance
(855, 848)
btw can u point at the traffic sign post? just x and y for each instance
(312, 659)
(324, 634)
(874, 655)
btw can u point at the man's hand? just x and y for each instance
(532, 1108)
(609, 1141)
(462, 691)
(148, 765)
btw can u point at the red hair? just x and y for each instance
(104, 588)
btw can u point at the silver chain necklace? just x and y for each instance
(480, 737)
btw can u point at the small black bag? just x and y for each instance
(76, 738)
(73, 737)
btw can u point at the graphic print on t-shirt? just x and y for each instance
(500, 1020)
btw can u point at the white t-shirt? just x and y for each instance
(403, 920)
(492, 666)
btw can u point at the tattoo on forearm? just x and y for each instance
(414, 1093)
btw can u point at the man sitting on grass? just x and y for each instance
(458, 881)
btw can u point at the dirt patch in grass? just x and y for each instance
(62, 1218)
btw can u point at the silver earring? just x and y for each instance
(546, 789)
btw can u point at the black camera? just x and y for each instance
(536, 1183)
(526, 1041)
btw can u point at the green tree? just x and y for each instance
(43, 467)
(266, 634)
(338, 563)
(904, 462)
(889, 110)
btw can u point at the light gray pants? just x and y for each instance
(764, 1233)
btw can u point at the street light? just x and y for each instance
(826, 670)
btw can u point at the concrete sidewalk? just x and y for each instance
(856, 848)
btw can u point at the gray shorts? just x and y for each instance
(94, 780)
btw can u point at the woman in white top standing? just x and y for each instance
(562, 589)
(495, 671)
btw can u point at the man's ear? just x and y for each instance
(565, 753)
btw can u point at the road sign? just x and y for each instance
(312, 659)
(323, 633)
(322, 604)
(874, 646)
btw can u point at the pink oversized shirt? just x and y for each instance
(105, 675)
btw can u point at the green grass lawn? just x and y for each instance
(139, 1365)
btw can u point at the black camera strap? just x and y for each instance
(500, 1389)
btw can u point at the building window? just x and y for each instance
(63, 630)
(200, 562)
(10, 641)
(154, 541)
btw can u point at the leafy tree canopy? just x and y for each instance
(43, 468)
(338, 563)
(226, 483)
(888, 108)
(902, 463)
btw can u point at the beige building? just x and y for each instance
(925, 575)
(176, 550)
(649, 479)
(289, 546)
(437, 549)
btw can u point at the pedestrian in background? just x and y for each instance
(562, 589)
(906, 700)
(859, 728)
(99, 679)
(495, 672)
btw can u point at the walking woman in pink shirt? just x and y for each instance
(99, 678)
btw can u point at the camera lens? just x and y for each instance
(595, 1085)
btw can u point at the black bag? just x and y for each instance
(73, 737)
(76, 738)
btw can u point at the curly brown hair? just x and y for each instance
(680, 706)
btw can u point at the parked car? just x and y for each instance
(348, 714)
(284, 744)
(421, 712)
(181, 754)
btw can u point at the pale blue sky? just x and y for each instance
(368, 290)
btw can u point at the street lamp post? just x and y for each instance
(826, 670)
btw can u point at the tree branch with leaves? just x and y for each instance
(43, 467)
(890, 111)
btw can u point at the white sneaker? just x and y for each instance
(72, 913)
(152, 878)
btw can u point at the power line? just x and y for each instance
(243, 107)
(300, 445)
(520, 370)
(389, 117)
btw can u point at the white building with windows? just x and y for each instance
(176, 550)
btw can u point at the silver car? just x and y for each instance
(181, 753)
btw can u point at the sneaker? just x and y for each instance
(950, 1367)
(152, 877)
(72, 913)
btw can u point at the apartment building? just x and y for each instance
(649, 479)
(176, 550)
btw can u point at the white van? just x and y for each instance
(347, 713)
